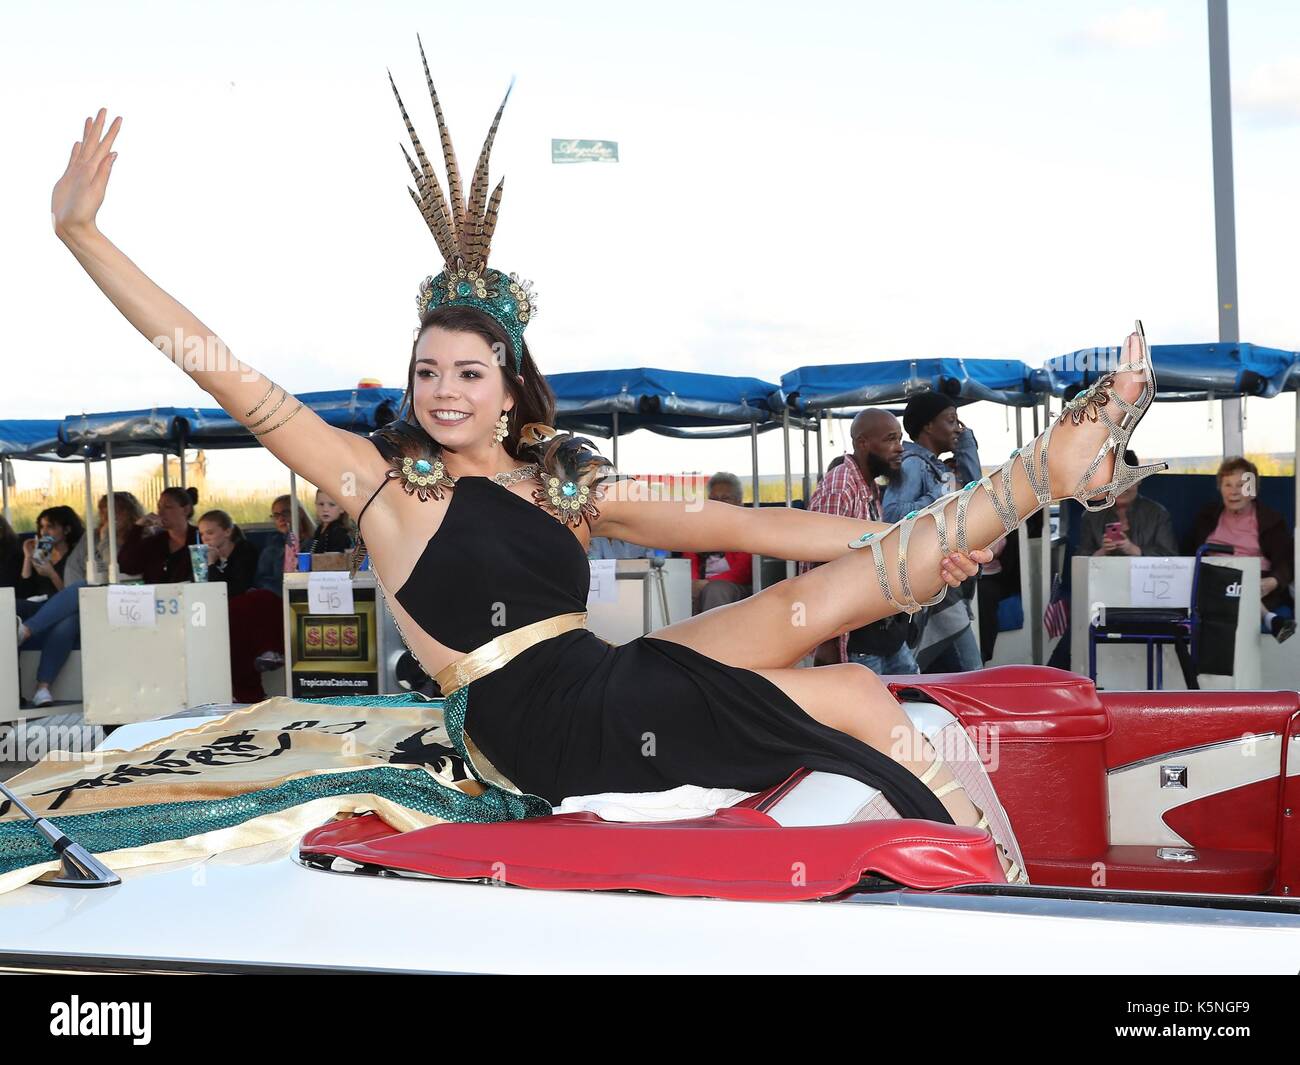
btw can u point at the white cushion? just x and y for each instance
(833, 799)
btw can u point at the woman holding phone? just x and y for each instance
(1134, 526)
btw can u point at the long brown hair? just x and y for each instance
(124, 504)
(534, 400)
(68, 518)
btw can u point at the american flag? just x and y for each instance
(1057, 613)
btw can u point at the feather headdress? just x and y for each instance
(462, 223)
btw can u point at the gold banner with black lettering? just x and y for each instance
(270, 771)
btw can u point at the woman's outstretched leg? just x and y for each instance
(777, 627)
(989, 509)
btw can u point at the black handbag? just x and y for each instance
(884, 637)
(1218, 602)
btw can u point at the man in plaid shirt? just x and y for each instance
(849, 489)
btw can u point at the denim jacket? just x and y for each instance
(922, 479)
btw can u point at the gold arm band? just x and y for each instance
(277, 425)
(271, 389)
(283, 396)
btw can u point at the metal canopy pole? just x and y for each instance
(167, 473)
(821, 466)
(807, 458)
(756, 561)
(614, 457)
(785, 443)
(1225, 226)
(293, 508)
(91, 530)
(5, 474)
(1045, 562)
(1022, 542)
(184, 480)
(112, 511)
(789, 498)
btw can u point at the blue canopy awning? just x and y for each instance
(159, 429)
(131, 432)
(690, 405)
(669, 402)
(29, 438)
(812, 388)
(358, 410)
(1185, 371)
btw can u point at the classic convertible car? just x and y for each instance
(1158, 830)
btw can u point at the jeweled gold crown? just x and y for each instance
(462, 226)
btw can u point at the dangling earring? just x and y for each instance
(502, 430)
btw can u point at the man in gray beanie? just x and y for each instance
(948, 643)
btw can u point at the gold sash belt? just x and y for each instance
(497, 652)
(493, 655)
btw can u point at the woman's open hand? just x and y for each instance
(80, 191)
(956, 567)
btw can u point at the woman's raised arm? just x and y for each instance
(345, 465)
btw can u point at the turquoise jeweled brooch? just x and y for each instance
(567, 500)
(421, 477)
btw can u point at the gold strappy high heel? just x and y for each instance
(1014, 874)
(1088, 404)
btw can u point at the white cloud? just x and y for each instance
(1271, 93)
(1134, 27)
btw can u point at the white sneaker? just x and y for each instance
(23, 633)
(42, 697)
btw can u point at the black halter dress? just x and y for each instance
(575, 715)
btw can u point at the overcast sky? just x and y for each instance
(798, 184)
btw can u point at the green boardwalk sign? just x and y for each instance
(584, 151)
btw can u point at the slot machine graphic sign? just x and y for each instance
(333, 653)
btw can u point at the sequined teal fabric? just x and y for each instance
(21, 845)
(453, 718)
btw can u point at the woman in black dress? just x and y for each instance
(489, 588)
